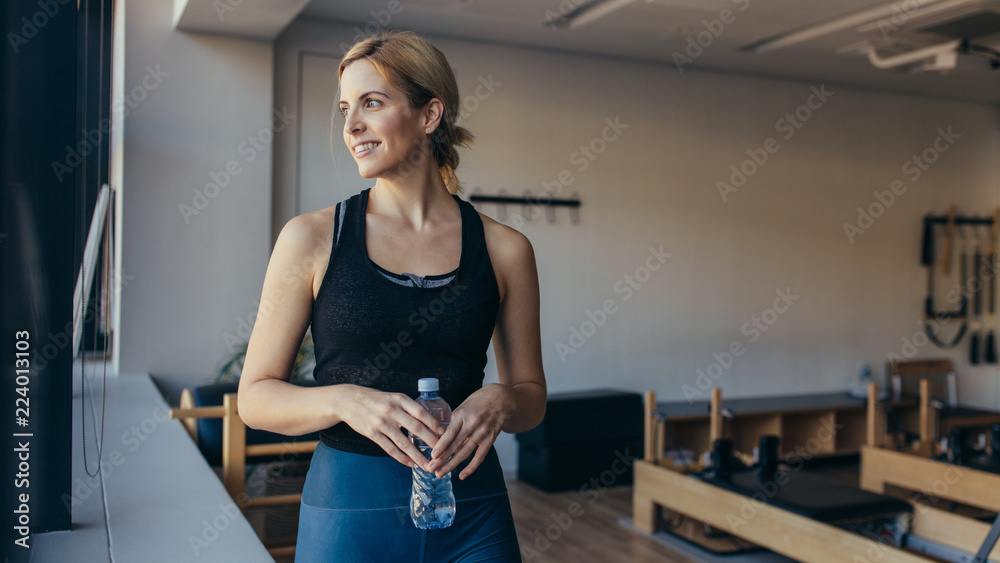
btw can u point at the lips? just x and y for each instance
(366, 148)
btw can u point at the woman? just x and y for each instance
(401, 281)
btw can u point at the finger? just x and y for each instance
(481, 442)
(459, 432)
(456, 460)
(477, 460)
(451, 441)
(417, 411)
(441, 456)
(447, 442)
(390, 437)
(410, 449)
(412, 416)
(459, 456)
(389, 447)
(417, 428)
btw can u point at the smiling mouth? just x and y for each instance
(365, 148)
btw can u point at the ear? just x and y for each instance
(431, 114)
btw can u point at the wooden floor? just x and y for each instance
(596, 536)
(593, 535)
(581, 528)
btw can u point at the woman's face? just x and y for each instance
(380, 128)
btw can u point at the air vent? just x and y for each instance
(973, 26)
(930, 36)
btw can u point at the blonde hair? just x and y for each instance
(422, 72)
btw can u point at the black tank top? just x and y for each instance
(374, 332)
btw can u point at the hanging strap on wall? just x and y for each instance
(933, 316)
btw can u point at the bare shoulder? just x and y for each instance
(304, 244)
(510, 252)
(303, 233)
(505, 244)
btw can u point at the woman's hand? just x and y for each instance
(383, 417)
(476, 423)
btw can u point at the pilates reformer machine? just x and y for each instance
(934, 470)
(764, 499)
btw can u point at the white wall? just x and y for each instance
(656, 185)
(188, 281)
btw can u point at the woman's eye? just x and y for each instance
(369, 103)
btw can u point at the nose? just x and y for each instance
(352, 123)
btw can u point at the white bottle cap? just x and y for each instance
(427, 384)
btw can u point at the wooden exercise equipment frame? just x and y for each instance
(234, 453)
(660, 483)
(915, 471)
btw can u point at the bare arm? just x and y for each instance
(517, 342)
(267, 401)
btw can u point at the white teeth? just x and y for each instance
(364, 147)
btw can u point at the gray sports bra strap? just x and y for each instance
(341, 211)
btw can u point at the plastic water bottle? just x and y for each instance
(859, 389)
(866, 375)
(432, 503)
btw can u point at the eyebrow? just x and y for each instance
(363, 96)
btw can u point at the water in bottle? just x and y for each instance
(432, 503)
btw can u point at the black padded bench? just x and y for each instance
(587, 439)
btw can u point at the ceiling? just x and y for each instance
(667, 32)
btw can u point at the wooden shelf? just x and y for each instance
(818, 424)
(690, 435)
(745, 431)
(809, 434)
(850, 425)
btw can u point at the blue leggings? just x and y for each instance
(355, 508)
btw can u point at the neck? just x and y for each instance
(420, 198)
